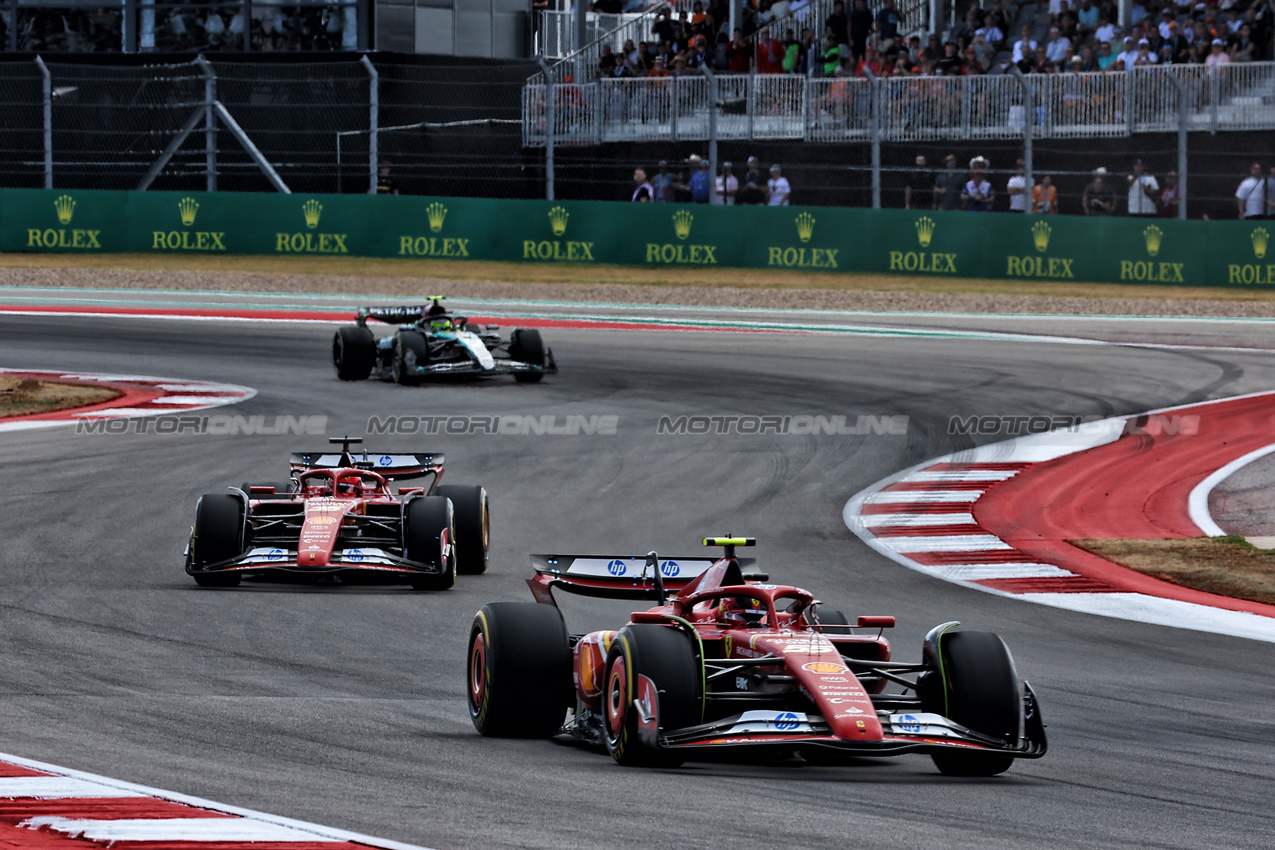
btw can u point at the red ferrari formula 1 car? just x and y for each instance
(730, 664)
(338, 519)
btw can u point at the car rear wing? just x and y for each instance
(618, 576)
(392, 467)
(393, 315)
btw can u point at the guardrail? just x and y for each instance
(1073, 248)
(779, 106)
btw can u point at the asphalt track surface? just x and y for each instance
(345, 706)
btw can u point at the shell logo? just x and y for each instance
(824, 667)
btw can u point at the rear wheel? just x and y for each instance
(832, 622)
(429, 538)
(662, 655)
(469, 507)
(526, 346)
(353, 353)
(218, 536)
(983, 693)
(410, 350)
(518, 674)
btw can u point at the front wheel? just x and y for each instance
(473, 526)
(410, 350)
(218, 536)
(429, 538)
(518, 672)
(981, 691)
(652, 685)
(526, 346)
(353, 353)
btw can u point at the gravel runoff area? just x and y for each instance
(1228, 566)
(757, 289)
(27, 396)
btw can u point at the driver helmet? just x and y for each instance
(440, 324)
(349, 485)
(741, 610)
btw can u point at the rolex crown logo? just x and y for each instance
(682, 220)
(1153, 235)
(65, 206)
(924, 230)
(1259, 242)
(188, 207)
(312, 209)
(558, 220)
(805, 226)
(436, 212)
(1041, 232)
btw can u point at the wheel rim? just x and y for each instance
(617, 697)
(478, 671)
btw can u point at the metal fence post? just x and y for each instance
(875, 125)
(1029, 114)
(210, 123)
(373, 123)
(47, 97)
(712, 132)
(13, 26)
(549, 129)
(1183, 119)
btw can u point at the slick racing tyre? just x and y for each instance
(469, 507)
(410, 349)
(218, 536)
(526, 346)
(353, 353)
(664, 655)
(832, 622)
(518, 673)
(429, 538)
(983, 693)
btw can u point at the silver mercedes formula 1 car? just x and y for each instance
(430, 341)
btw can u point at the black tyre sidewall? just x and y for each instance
(353, 353)
(218, 536)
(984, 694)
(405, 341)
(472, 515)
(527, 671)
(663, 654)
(425, 521)
(526, 346)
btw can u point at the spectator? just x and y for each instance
(702, 183)
(606, 62)
(1058, 46)
(1088, 60)
(1000, 19)
(989, 31)
(663, 184)
(770, 54)
(1025, 47)
(1097, 198)
(1129, 54)
(1218, 55)
(1244, 48)
(739, 54)
(860, 27)
(1143, 189)
(1018, 190)
(727, 186)
(1106, 30)
(778, 190)
(947, 188)
(830, 59)
(1250, 197)
(1106, 58)
(1170, 196)
(1045, 197)
(871, 61)
(950, 63)
(837, 24)
(1144, 55)
(977, 196)
(1087, 17)
(889, 19)
(644, 192)
(754, 189)
(919, 193)
(1270, 194)
(385, 184)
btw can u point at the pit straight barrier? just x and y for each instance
(991, 245)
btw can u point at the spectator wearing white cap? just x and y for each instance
(1145, 55)
(1143, 189)
(777, 187)
(1130, 53)
(1218, 55)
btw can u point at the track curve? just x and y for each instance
(345, 706)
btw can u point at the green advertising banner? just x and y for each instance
(943, 244)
